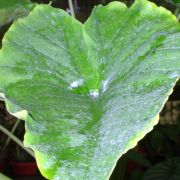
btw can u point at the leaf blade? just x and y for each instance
(86, 100)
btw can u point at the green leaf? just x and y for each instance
(167, 170)
(176, 1)
(2, 176)
(88, 92)
(11, 10)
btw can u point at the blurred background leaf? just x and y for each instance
(167, 170)
(11, 10)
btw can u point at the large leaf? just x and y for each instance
(91, 90)
(10, 10)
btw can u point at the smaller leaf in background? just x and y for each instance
(167, 170)
(174, 2)
(11, 10)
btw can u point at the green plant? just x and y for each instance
(88, 92)
(13, 9)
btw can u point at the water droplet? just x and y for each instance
(76, 84)
(174, 75)
(104, 85)
(94, 93)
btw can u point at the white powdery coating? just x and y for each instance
(77, 139)
(94, 93)
(51, 161)
(104, 85)
(76, 84)
(67, 170)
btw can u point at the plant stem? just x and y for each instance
(15, 139)
(178, 17)
(8, 139)
(71, 8)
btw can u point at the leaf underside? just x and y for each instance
(91, 90)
